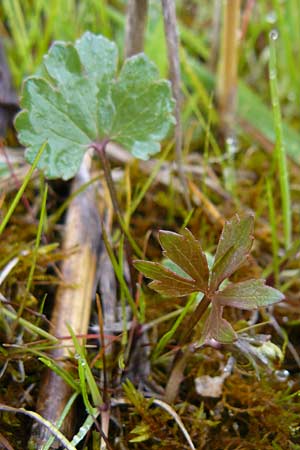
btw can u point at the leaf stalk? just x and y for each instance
(181, 357)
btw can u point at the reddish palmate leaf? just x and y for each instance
(186, 252)
(233, 247)
(216, 327)
(250, 294)
(166, 282)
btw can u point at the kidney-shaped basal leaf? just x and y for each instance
(166, 282)
(233, 247)
(186, 252)
(78, 99)
(249, 294)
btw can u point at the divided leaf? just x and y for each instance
(233, 247)
(185, 251)
(77, 99)
(250, 294)
(216, 327)
(166, 282)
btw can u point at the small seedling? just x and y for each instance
(194, 275)
(186, 252)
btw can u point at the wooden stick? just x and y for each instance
(72, 303)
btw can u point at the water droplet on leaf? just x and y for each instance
(282, 375)
(271, 17)
(274, 35)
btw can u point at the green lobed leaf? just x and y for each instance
(77, 99)
(166, 282)
(218, 328)
(233, 247)
(185, 251)
(249, 294)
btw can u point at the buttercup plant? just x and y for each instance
(186, 252)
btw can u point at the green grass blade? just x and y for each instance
(66, 444)
(273, 223)
(36, 248)
(253, 113)
(169, 334)
(85, 428)
(68, 378)
(28, 325)
(118, 272)
(135, 203)
(280, 152)
(21, 190)
(60, 421)
(85, 375)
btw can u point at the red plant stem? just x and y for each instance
(181, 357)
(194, 319)
(246, 18)
(100, 149)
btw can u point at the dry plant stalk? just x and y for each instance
(172, 39)
(8, 97)
(228, 66)
(135, 26)
(215, 34)
(73, 301)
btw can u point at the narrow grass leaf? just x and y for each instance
(274, 234)
(37, 244)
(22, 188)
(85, 373)
(165, 339)
(64, 374)
(33, 329)
(280, 146)
(35, 416)
(119, 273)
(61, 419)
(85, 428)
